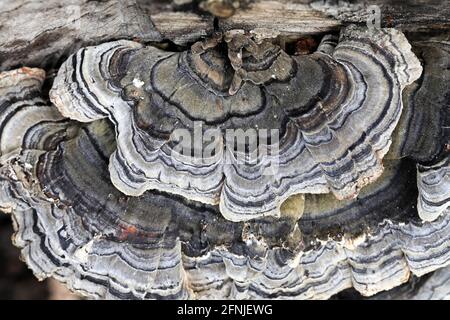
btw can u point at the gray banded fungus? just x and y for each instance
(424, 128)
(21, 106)
(434, 286)
(334, 114)
(434, 186)
(73, 224)
(423, 133)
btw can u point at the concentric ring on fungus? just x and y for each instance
(335, 114)
(77, 190)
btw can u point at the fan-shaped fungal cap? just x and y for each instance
(424, 128)
(90, 236)
(74, 225)
(21, 106)
(423, 133)
(434, 286)
(334, 116)
(104, 244)
(434, 189)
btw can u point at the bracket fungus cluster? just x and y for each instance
(333, 113)
(104, 199)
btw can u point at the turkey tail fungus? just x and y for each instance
(228, 167)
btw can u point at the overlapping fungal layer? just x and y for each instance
(433, 286)
(436, 287)
(21, 106)
(73, 224)
(220, 8)
(423, 133)
(424, 128)
(334, 113)
(434, 185)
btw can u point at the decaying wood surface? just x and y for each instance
(41, 33)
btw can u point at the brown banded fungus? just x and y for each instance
(334, 112)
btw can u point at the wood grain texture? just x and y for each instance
(40, 33)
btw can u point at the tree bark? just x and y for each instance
(40, 33)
